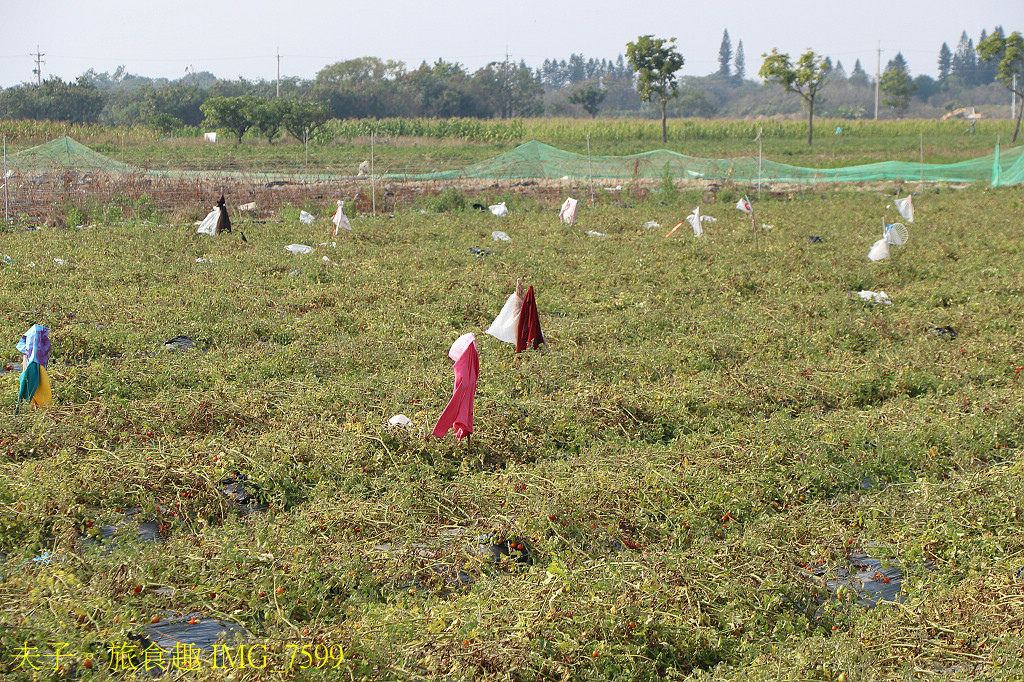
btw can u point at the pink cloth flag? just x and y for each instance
(568, 213)
(459, 412)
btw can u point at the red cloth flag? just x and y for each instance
(459, 412)
(528, 330)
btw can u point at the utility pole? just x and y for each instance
(878, 76)
(279, 72)
(505, 87)
(38, 71)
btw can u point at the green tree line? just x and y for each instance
(370, 87)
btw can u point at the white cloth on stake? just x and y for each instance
(340, 220)
(506, 324)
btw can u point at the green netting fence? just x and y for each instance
(536, 160)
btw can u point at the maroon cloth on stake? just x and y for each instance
(528, 330)
(223, 221)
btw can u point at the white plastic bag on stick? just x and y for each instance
(209, 224)
(506, 323)
(879, 250)
(568, 213)
(906, 208)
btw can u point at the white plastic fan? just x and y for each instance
(897, 234)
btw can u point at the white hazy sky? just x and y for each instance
(240, 39)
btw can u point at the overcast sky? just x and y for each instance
(240, 39)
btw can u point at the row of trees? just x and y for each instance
(372, 87)
(656, 62)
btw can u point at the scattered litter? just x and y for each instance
(306, 218)
(767, 227)
(401, 421)
(251, 206)
(596, 234)
(616, 188)
(60, 261)
(294, 273)
(7, 259)
(478, 252)
(880, 298)
(180, 343)
(299, 248)
(500, 236)
(32, 264)
(811, 239)
(943, 332)
(499, 209)
(329, 261)
(568, 213)
(203, 260)
(479, 207)
(210, 137)
(364, 167)
(651, 224)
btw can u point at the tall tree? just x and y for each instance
(724, 54)
(739, 63)
(805, 77)
(655, 61)
(898, 63)
(896, 85)
(1008, 55)
(858, 76)
(985, 72)
(964, 61)
(838, 72)
(945, 62)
